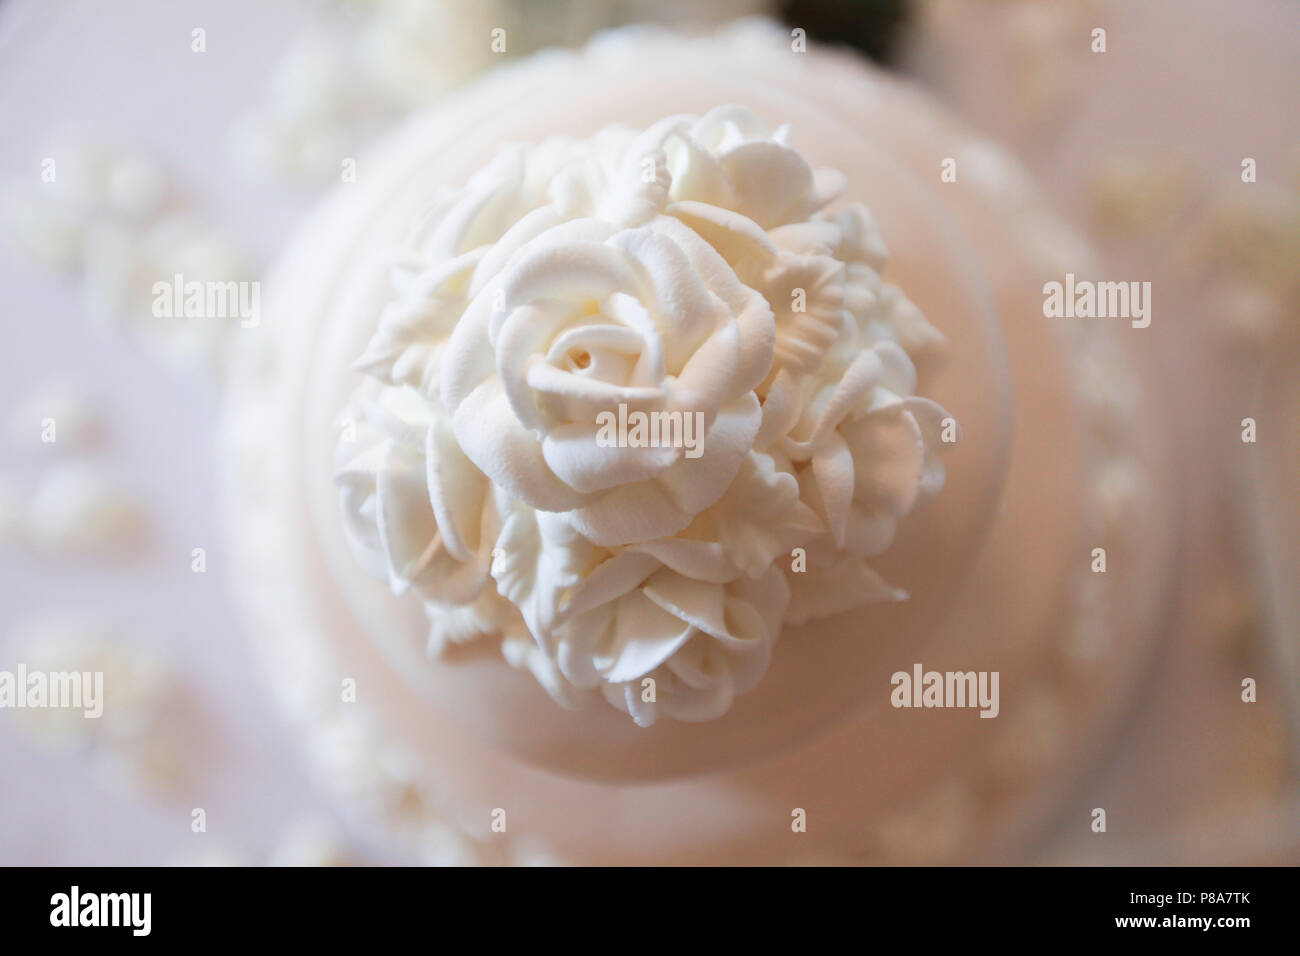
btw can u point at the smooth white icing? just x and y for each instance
(690, 268)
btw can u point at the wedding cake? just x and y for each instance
(622, 451)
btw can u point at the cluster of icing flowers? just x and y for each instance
(688, 269)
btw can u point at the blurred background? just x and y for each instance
(111, 553)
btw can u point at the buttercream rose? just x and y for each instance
(689, 272)
(647, 318)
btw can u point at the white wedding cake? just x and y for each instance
(611, 445)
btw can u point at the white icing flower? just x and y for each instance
(413, 504)
(647, 318)
(685, 270)
(109, 214)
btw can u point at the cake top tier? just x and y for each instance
(653, 266)
(638, 400)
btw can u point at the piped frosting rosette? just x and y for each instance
(688, 280)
